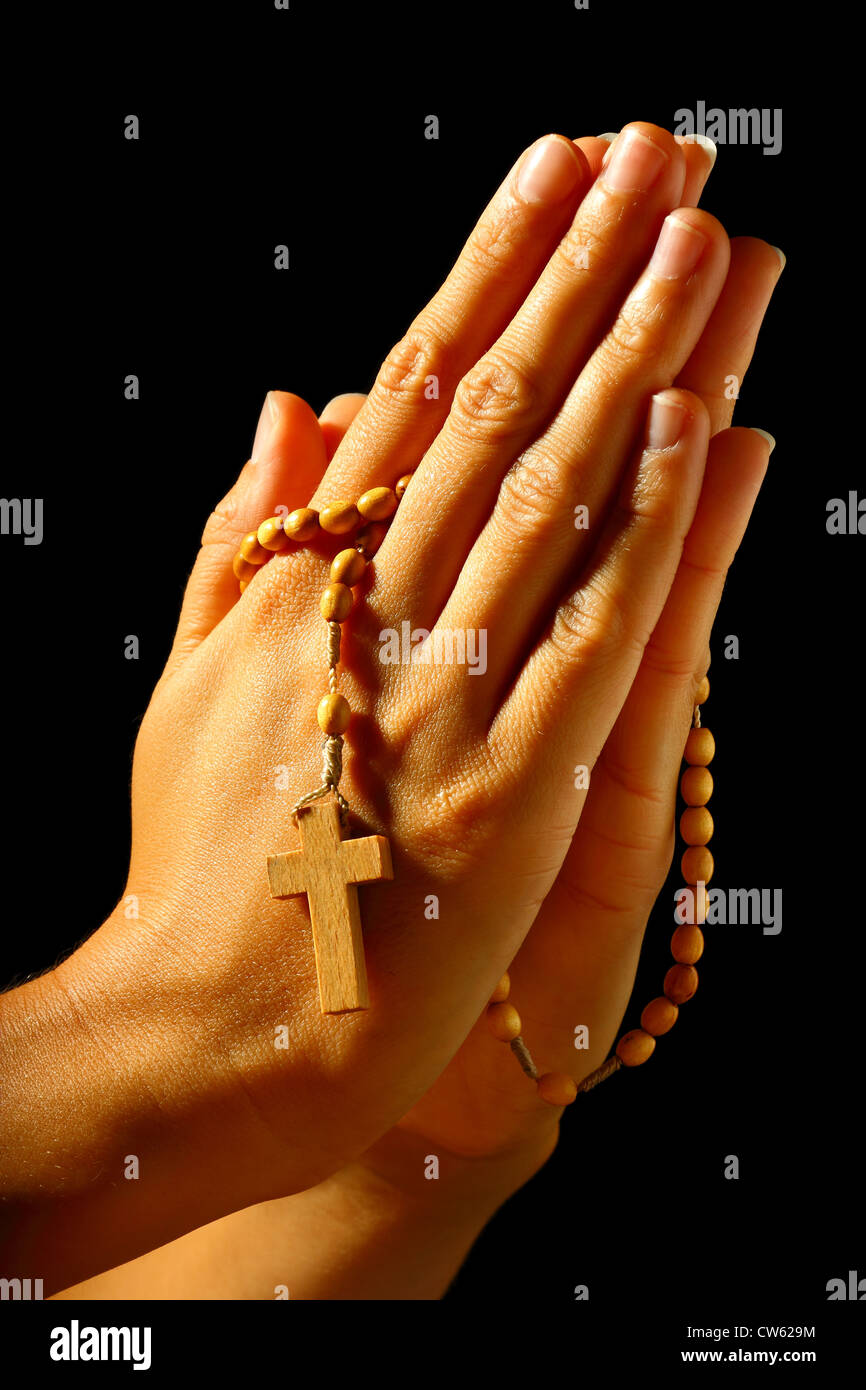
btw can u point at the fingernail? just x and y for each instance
(666, 420)
(268, 418)
(635, 163)
(678, 249)
(609, 136)
(549, 172)
(763, 433)
(708, 146)
(782, 257)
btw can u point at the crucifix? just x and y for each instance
(327, 868)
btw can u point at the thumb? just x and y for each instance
(286, 467)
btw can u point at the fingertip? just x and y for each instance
(675, 412)
(551, 171)
(701, 221)
(287, 409)
(702, 142)
(761, 257)
(658, 136)
(343, 407)
(764, 435)
(336, 418)
(593, 148)
(741, 456)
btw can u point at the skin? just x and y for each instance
(596, 663)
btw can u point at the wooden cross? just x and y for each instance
(327, 868)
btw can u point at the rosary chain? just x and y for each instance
(375, 506)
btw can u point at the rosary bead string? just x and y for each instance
(374, 508)
(687, 943)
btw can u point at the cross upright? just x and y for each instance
(327, 868)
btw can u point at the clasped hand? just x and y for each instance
(580, 349)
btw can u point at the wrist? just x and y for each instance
(416, 1211)
(113, 1107)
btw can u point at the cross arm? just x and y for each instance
(286, 874)
(366, 859)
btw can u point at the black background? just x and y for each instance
(155, 257)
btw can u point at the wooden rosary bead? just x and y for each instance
(502, 990)
(696, 825)
(557, 1088)
(402, 484)
(348, 567)
(503, 1020)
(697, 865)
(333, 714)
(703, 691)
(338, 517)
(253, 553)
(700, 747)
(659, 1016)
(370, 537)
(271, 535)
(635, 1047)
(301, 524)
(336, 602)
(681, 982)
(377, 503)
(242, 569)
(687, 944)
(696, 786)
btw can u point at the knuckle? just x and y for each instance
(419, 355)
(651, 504)
(492, 247)
(583, 247)
(496, 398)
(531, 494)
(634, 334)
(463, 821)
(594, 626)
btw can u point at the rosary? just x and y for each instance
(328, 867)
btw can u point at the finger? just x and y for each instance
(719, 362)
(612, 872)
(288, 461)
(699, 154)
(509, 395)
(643, 753)
(336, 418)
(501, 259)
(676, 655)
(565, 700)
(594, 148)
(552, 503)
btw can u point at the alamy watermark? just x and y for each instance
(443, 647)
(77, 1343)
(22, 516)
(26, 1290)
(755, 126)
(730, 907)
